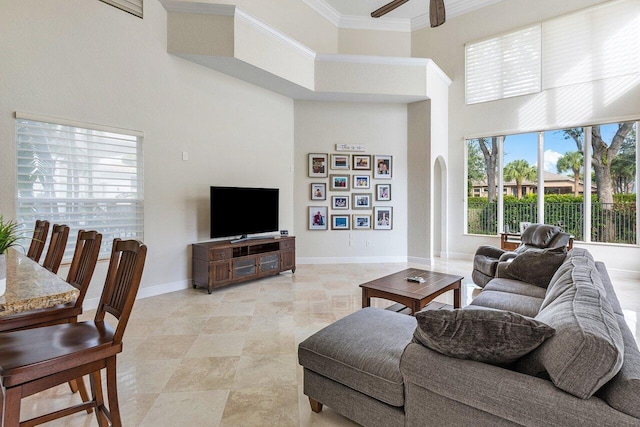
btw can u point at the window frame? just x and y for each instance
(587, 155)
(72, 211)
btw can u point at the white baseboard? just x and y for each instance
(146, 292)
(351, 260)
(419, 260)
(460, 255)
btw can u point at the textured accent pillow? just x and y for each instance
(537, 266)
(484, 335)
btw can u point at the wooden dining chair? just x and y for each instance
(37, 359)
(57, 246)
(83, 264)
(38, 240)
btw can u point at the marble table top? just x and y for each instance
(29, 286)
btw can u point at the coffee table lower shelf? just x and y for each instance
(433, 305)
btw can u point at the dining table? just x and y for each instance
(28, 286)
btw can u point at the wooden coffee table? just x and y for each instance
(415, 296)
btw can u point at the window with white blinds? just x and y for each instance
(88, 177)
(132, 6)
(601, 42)
(598, 43)
(504, 66)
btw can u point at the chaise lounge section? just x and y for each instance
(373, 369)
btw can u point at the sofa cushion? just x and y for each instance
(540, 235)
(490, 336)
(587, 349)
(513, 286)
(362, 351)
(521, 304)
(537, 266)
(623, 391)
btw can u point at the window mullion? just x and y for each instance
(587, 183)
(500, 184)
(540, 197)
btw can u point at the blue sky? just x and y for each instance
(525, 146)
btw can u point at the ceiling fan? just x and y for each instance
(437, 14)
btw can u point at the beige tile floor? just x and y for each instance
(229, 358)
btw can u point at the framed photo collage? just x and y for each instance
(356, 182)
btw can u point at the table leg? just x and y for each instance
(366, 300)
(457, 296)
(415, 307)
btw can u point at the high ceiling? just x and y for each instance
(415, 12)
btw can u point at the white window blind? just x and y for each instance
(504, 66)
(132, 6)
(86, 178)
(597, 43)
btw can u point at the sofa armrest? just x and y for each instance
(507, 256)
(489, 251)
(510, 395)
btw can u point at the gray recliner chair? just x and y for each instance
(536, 236)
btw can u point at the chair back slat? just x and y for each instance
(85, 257)
(38, 240)
(57, 246)
(122, 282)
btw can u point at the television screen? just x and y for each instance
(238, 211)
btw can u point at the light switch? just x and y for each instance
(185, 155)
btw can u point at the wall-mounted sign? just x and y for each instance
(350, 147)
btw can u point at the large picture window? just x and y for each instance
(542, 179)
(85, 176)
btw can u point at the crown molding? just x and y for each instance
(272, 32)
(421, 21)
(325, 9)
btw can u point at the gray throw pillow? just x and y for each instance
(487, 335)
(537, 266)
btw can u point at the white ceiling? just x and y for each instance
(410, 16)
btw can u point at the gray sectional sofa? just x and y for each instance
(370, 367)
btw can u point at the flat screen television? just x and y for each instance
(240, 211)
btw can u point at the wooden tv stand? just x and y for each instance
(221, 263)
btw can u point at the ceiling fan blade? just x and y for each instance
(387, 8)
(437, 15)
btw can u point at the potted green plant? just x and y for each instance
(9, 234)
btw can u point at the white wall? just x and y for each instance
(90, 62)
(550, 109)
(382, 128)
(369, 42)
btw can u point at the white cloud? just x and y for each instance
(551, 160)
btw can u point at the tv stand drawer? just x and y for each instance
(220, 254)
